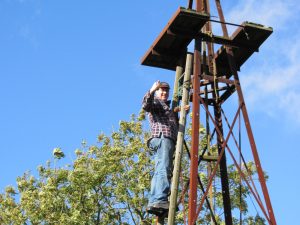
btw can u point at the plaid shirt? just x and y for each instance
(162, 119)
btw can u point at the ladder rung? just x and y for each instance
(209, 158)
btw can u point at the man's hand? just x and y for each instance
(186, 107)
(178, 108)
(155, 86)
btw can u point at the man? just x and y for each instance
(164, 128)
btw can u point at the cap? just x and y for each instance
(164, 85)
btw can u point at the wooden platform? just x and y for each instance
(185, 25)
(170, 46)
(248, 38)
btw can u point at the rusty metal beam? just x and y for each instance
(242, 157)
(234, 52)
(251, 139)
(220, 154)
(218, 79)
(223, 149)
(200, 183)
(233, 69)
(218, 162)
(195, 127)
(227, 94)
(195, 133)
(223, 163)
(213, 90)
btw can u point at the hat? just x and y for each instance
(164, 85)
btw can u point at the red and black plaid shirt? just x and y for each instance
(162, 119)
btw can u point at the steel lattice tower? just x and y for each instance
(214, 78)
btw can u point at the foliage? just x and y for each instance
(107, 183)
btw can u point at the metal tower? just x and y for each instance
(214, 78)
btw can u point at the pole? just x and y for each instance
(179, 71)
(195, 133)
(180, 139)
(195, 127)
(223, 165)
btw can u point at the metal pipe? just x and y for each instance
(232, 24)
(190, 4)
(223, 163)
(195, 127)
(240, 161)
(195, 133)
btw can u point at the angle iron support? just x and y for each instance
(233, 69)
(251, 138)
(195, 133)
(195, 127)
(223, 164)
(220, 155)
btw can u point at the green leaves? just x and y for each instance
(58, 154)
(107, 183)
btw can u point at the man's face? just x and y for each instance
(162, 93)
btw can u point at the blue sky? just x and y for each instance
(71, 69)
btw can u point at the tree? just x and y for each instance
(107, 183)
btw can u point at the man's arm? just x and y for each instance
(147, 103)
(178, 108)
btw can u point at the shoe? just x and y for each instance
(163, 205)
(156, 210)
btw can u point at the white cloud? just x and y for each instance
(291, 103)
(28, 35)
(267, 12)
(274, 87)
(272, 83)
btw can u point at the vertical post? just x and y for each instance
(175, 100)
(180, 139)
(195, 128)
(190, 4)
(211, 70)
(223, 164)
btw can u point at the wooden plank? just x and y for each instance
(250, 35)
(168, 48)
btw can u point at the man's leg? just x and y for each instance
(160, 184)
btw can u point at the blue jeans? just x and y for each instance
(160, 184)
